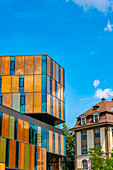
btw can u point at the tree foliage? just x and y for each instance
(98, 160)
(70, 148)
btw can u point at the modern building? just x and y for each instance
(94, 127)
(32, 103)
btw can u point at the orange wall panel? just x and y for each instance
(5, 125)
(58, 91)
(6, 84)
(62, 93)
(20, 130)
(54, 106)
(2, 166)
(37, 102)
(26, 132)
(39, 158)
(7, 100)
(62, 110)
(38, 64)
(28, 64)
(54, 70)
(21, 155)
(32, 157)
(28, 102)
(44, 158)
(19, 65)
(0, 65)
(48, 103)
(12, 153)
(53, 87)
(15, 84)
(50, 141)
(37, 83)
(6, 65)
(48, 66)
(28, 83)
(57, 108)
(61, 70)
(62, 145)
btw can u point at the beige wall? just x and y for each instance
(80, 159)
(102, 138)
(78, 135)
(90, 139)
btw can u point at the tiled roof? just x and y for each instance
(103, 106)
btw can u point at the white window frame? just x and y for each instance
(95, 114)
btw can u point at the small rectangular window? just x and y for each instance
(22, 103)
(96, 118)
(84, 135)
(21, 84)
(97, 144)
(97, 133)
(53, 142)
(84, 149)
(83, 122)
(55, 88)
(51, 68)
(1, 99)
(12, 66)
(0, 82)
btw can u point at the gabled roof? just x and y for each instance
(103, 106)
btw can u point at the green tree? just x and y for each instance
(98, 160)
(70, 148)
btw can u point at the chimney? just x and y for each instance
(112, 99)
(103, 99)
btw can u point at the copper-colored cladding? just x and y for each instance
(103, 107)
(6, 84)
(6, 65)
(12, 154)
(5, 125)
(38, 67)
(56, 143)
(15, 84)
(48, 103)
(48, 66)
(50, 141)
(7, 100)
(37, 102)
(20, 130)
(21, 155)
(54, 70)
(39, 157)
(29, 103)
(19, 65)
(26, 132)
(29, 64)
(32, 157)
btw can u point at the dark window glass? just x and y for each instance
(96, 118)
(7, 153)
(59, 144)
(53, 142)
(0, 82)
(30, 133)
(12, 66)
(22, 100)
(59, 76)
(44, 102)
(65, 145)
(51, 105)
(85, 165)
(97, 133)
(44, 64)
(21, 83)
(83, 121)
(43, 138)
(1, 99)
(55, 88)
(1, 114)
(35, 158)
(97, 144)
(16, 126)
(59, 109)
(17, 154)
(84, 135)
(51, 68)
(84, 149)
(44, 83)
(50, 85)
(34, 134)
(47, 140)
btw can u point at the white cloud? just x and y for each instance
(108, 27)
(103, 93)
(101, 5)
(96, 83)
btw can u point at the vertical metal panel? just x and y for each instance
(7, 100)
(19, 65)
(12, 153)
(26, 156)
(20, 130)
(11, 127)
(6, 84)
(2, 149)
(5, 125)
(16, 102)
(29, 65)
(21, 155)
(38, 64)
(29, 103)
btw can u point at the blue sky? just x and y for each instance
(75, 34)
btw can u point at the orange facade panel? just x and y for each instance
(32, 157)
(12, 153)
(37, 83)
(38, 64)
(28, 102)
(21, 155)
(53, 87)
(58, 91)
(5, 125)
(7, 100)
(0, 65)
(48, 103)
(62, 110)
(28, 83)
(2, 166)
(6, 65)
(44, 158)
(62, 145)
(37, 102)
(15, 84)
(50, 141)
(61, 71)
(6, 84)
(39, 158)
(19, 65)
(48, 66)
(26, 132)
(54, 106)
(20, 130)
(62, 93)
(57, 108)
(29, 64)
(54, 70)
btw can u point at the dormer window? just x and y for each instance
(95, 117)
(83, 121)
(95, 107)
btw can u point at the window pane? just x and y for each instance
(11, 127)
(57, 71)
(43, 140)
(44, 103)
(44, 83)
(1, 114)
(48, 84)
(7, 153)
(44, 64)
(84, 135)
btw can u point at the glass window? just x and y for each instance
(97, 133)
(21, 84)
(17, 154)
(1, 99)
(85, 165)
(30, 133)
(0, 82)
(84, 135)
(16, 125)
(22, 103)
(48, 84)
(7, 153)
(97, 144)
(34, 134)
(55, 88)
(59, 76)
(12, 66)
(57, 71)
(44, 83)
(43, 138)
(59, 140)
(44, 103)
(95, 118)
(51, 68)
(83, 121)
(53, 142)
(84, 149)
(44, 64)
